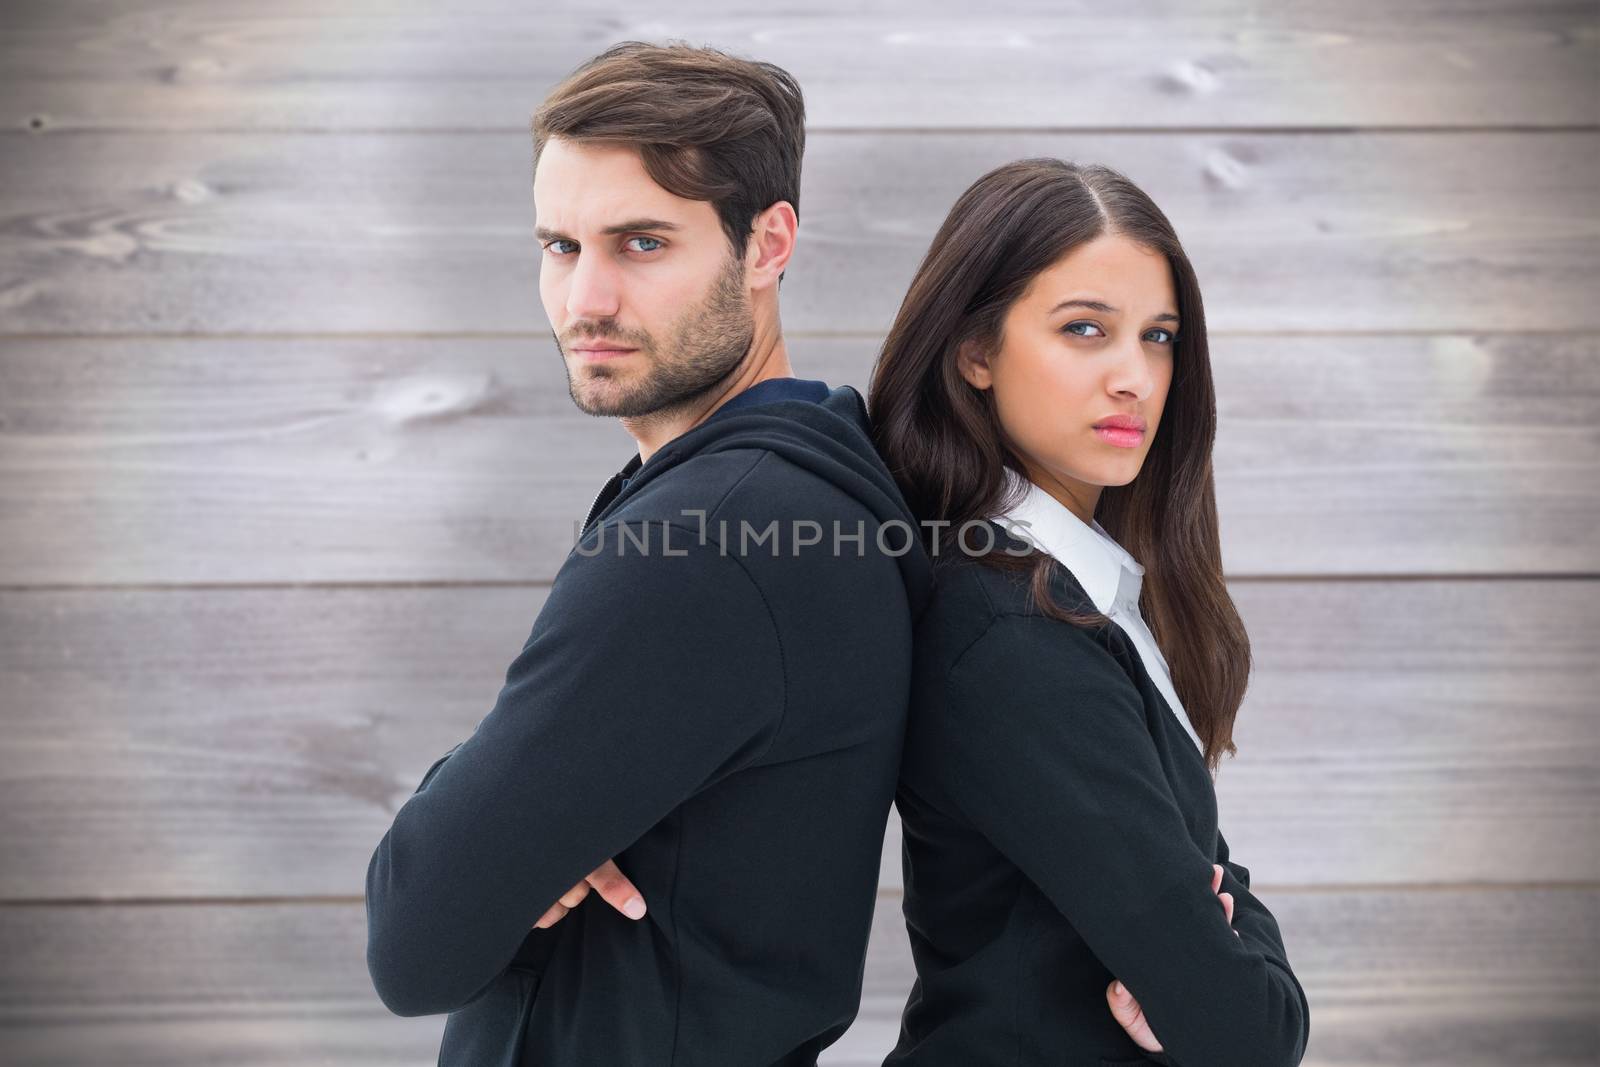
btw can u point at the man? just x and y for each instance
(706, 720)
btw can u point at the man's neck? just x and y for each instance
(768, 358)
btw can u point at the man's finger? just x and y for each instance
(615, 889)
(551, 917)
(574, 896)
(1216, 877)
(1227, 905)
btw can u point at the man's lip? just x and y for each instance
(604, 353)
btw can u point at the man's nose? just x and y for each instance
(593, 291)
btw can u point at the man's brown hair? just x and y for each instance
(708, 125)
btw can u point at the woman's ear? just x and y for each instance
(973, 365)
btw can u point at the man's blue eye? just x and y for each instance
(657, 241)
(559, 241)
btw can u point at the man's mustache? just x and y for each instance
(574, 336)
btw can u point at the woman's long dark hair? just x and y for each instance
(942, 438)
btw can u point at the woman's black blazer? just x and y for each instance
(1059, 831)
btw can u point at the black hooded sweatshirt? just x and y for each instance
(714, 694)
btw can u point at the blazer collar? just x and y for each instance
(1106, 570)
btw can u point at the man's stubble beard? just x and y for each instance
(708, 343)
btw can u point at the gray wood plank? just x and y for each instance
(1456, 977)
(432, 233)
(200, 64)
(293, 460)
(248, 985)
(256, 742)
(347, 459)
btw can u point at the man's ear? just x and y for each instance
(974, 365)
(772, 237)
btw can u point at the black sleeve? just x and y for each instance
(1252, 920)
(1048, 754)
(648, 676)
(428, 776)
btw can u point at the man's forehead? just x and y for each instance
(603, 186)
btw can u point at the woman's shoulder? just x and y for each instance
(985, 654)
(973, 598)
(964, 589)
(966, 583)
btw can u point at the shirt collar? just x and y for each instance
(1106, 570)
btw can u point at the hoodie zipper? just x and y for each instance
(588, 516)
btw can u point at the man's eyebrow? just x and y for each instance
(630, 226)
(1105, 309)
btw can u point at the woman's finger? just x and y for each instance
(1125, 1009)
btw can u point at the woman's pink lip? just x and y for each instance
(1119, 437)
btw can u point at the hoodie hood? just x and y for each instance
(831, 438)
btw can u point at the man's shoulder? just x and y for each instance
(708, 496)
(739, 483)
(778, 514)
(778, 484)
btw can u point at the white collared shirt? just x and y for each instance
(1106, 570)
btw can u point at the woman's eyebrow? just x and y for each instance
(1105, 309)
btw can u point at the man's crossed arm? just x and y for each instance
(662, 671)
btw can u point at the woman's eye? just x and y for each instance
(1171, 337)
(551, 247)
(657, 243)
(1071, 327)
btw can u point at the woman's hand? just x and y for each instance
(1126, 1010)
(614, 887)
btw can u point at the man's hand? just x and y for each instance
(1126, 1010)
(614, 887)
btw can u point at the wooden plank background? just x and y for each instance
(287, 463)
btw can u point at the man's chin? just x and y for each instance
(600, 392)
(637, 396)
(605, 408)
(608, 402)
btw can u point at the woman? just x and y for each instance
(1045, 401)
